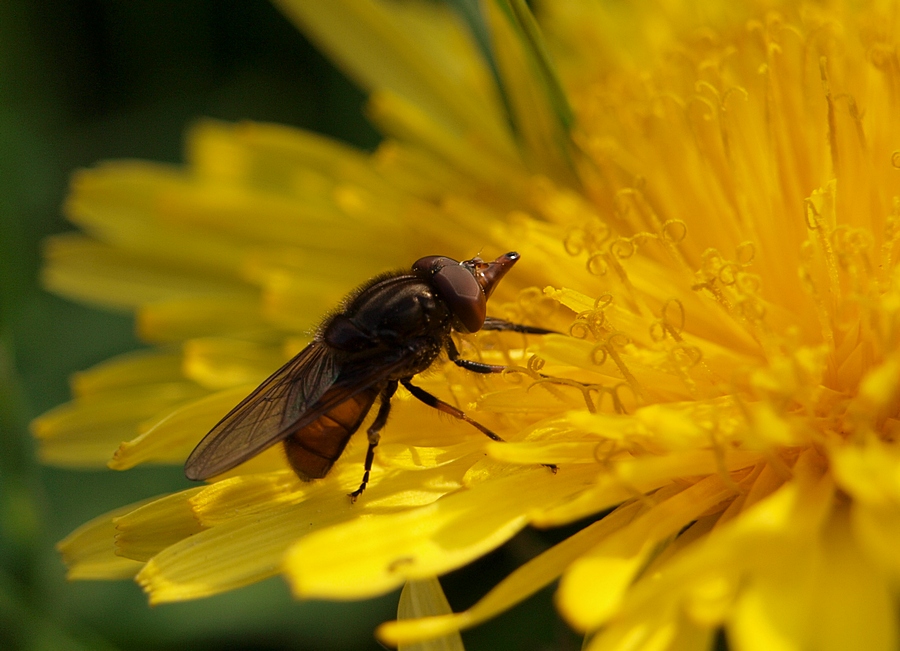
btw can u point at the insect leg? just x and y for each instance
(433, 401)
(374, 434)
(447, 408)
(468, 364)
(493, 323)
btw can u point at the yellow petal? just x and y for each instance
(425, 598)
(779, 538)
(374, 42)
(538, 105)
(130, 369)
(281, 158)
(142, 532)
(630, 477)
(654, 630)
(869, 471)
(518, 586)
(179, 319)
(593, 587)
(540, 452)
(104, 275)
(89, 552)
(878, 531)
(544, 398)
(219, 362)
(407, 122)
(821, 594)
(129, 204)
(250, 544)
(855, 603)
(86, 431)
(236, 553)
(246, 494)
(408, 457)
(171, 439)
(427, 541)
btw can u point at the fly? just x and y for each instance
(386, 332)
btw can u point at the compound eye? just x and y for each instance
(433, 263)
(463, 295)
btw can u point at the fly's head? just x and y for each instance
(465, 286)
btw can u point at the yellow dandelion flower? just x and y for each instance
(706, 197)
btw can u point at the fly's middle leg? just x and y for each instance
(374, 435)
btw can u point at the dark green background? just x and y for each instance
(83, 81)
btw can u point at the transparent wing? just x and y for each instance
(266, 415)
(293, 398)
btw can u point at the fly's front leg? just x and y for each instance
(493, 323)
(468, 364)
(374, 434)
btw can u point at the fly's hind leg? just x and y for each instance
(374, 434)
(433, 401)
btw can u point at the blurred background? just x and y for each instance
(87, 80)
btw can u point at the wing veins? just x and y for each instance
(266, 415)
